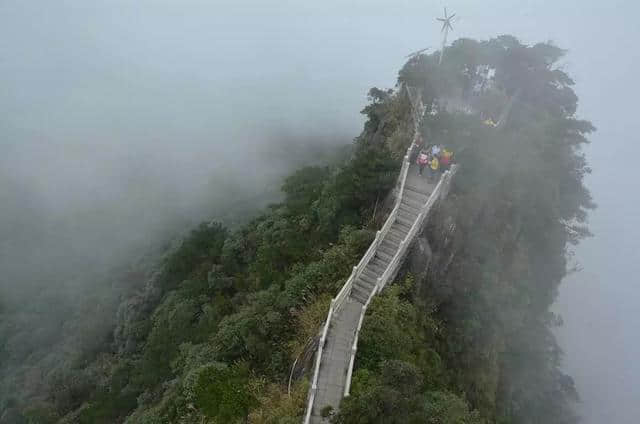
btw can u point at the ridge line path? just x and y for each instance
(334, 363)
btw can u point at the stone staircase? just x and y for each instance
(412, 200)
(341, 331)
(334, 362)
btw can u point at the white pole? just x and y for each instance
(444, 41)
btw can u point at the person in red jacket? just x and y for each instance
(422, 161)
(417, 147)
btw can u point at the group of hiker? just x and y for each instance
(436, 159)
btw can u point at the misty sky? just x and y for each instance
(124, 114)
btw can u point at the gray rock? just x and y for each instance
(420, 257)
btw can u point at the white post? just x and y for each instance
(444, 41)
(347, 385)
(352, 278)
(307, 416)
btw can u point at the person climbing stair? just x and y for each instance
(445, 159)
(434, 167)
(422, 161)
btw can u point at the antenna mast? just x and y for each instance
(446, 26)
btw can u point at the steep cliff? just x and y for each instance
(470, 329)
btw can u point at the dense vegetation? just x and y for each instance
(212, 335)
(475, 332)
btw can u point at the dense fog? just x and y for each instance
(123, 123)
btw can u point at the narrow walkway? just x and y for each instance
(342, 328)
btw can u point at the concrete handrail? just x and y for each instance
(391, 269)
(314, 384)
(354, 347)
(307, 415)
(439, 190)
(371, 251)
(323, 338)
(345, 290)
(404, 244)
(343, 294)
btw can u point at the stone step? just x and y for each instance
(371, 273)
(422, 191)
(372, 281)
(408, 208)
(412, 202)
(405, 222)
(395, 238)
(397, 234)
(384, 256)
(364, 286)
(382, 259)
(376, 267)
(400, 236)
(401, 226)
(411, 208)
(407, 215)
(367, 286)
(386, 249)
(415, 197)
(392, 241)
(359, 295)
(391, 246)
(413, 194)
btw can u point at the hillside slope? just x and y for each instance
(464, 338)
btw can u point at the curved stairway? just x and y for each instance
(335, 357)
(340, 342)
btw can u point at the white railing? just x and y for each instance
(354, 347)
(438, 193)
(338, 301)
(392, 268)
(314, 383)
(345, 291)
